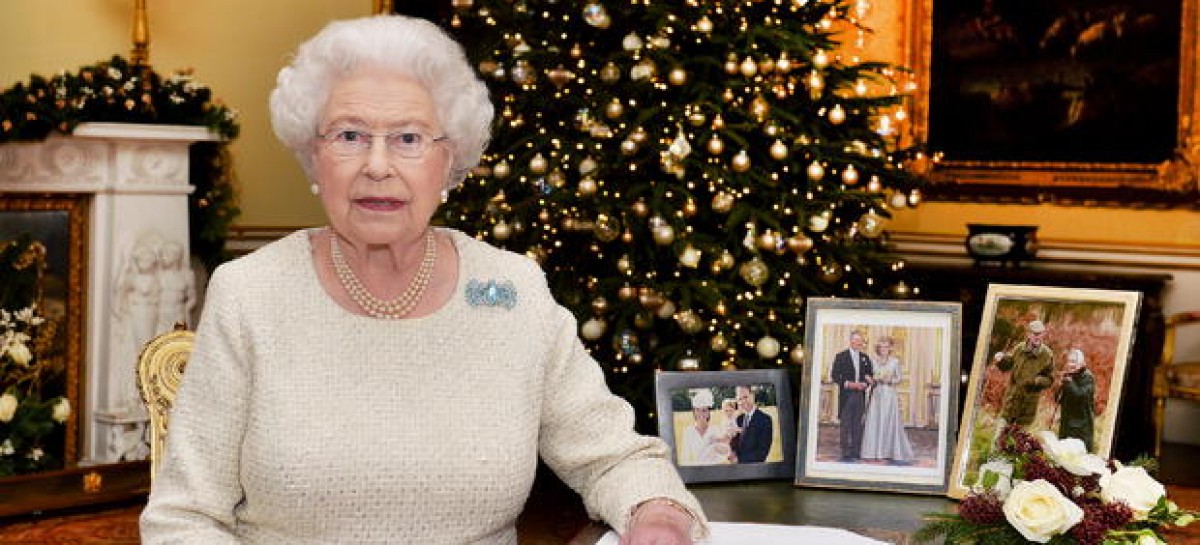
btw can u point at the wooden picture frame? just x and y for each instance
(59, 222)
(1017, 388)
(718, 455)
(1080, 102)
(906, 418)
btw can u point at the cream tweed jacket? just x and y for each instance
(299, 422)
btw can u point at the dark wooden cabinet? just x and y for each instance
(969, 284)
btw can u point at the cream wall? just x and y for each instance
(234, 46)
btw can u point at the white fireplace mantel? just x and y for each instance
(135, 177)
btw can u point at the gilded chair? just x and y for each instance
(159, 370)
(1172, 379)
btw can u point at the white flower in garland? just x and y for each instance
(1072, 455)
(8, 407)
(1133, 486)
(1039, 511)
(62, 410)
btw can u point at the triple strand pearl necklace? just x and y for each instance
(390, 309)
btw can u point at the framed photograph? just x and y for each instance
(59, 223)
(879, 401)
(1069, 101)
(727, 425)
(1047, 358)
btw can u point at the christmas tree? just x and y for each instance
(688, 173)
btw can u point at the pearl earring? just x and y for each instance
(314, 188)
(445, 195)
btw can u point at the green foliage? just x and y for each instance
(633, 135)
(117, 91)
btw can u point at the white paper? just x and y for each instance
(734, 533)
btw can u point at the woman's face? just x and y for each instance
(376, 196)
(701, 414)
(883, 348)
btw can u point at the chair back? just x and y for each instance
(159, 371)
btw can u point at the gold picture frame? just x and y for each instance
(1097, 323)
(59, 221)
(1091, 149)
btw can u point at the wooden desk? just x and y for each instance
(968, 284)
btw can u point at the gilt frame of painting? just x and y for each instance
(885, 420)
(59, 221)
(762, 448)
(1074, 390)
(1077, 102)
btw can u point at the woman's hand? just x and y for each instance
(659, 522)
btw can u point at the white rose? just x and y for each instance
(1039, 511)
(19, 353)
(8, 407)
(995, 475)
(1150, 539)
(1072, 455)
(62, 410)
(6, 448)
(1133, 486)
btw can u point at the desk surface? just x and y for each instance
(881, 515)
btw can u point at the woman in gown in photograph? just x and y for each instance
(884, 437)
(703, 443)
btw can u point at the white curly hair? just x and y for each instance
(411, 46)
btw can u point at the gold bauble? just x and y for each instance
(741, 161)
(771, 129)
(721, 309)
(767, 241)
(677, 76)
(664, 234)
(627, 237)
(818, 223)
(837, 115)
(727, 95)
(697, 118)
(666, 310)
(731, 64)
(488, 66)
(901, 289)
(766, 65)
(797, 354)
(501, 170)
(784, 64)
(593, 329)
(799, 243)
(641, 209)
(588, 165)
(614, 109)
(704, 25)
(576, 51)
(556, 178)
(689, 322)
(626, 292)
(719, 343)
(629, 147)
(779, 150)
(914, 197)
(767, 347)
(820, 59)
(898, 200)
(624, 264)
(600, 305)
(718, 122)
(850, 175)
(639, 135)
(871, 225)
(726, 260)
(874, 185)
(559, 76)
(502, 230)
(830, 272)
(607, 228)
(755, 272)
(748, 67)
(690, 257)
(588, 186)
(722, 202)
(716, 145)
(690, 208)
(538, 164)
(650, 300)
(610, 73)
(759, 108)
(544, 216)
(815, 171)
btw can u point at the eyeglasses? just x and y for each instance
(408, 144)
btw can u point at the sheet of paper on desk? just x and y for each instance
(731, 533)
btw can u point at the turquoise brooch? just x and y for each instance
(492, 294)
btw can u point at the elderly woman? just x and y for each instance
(294, 422)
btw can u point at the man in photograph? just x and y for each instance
(757, 429)
(1031, 364)
(853, 373)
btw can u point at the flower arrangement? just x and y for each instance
(32, 416)
(1051, 490)
(118, 91)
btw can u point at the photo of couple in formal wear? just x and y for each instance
(1047, 365)
(742, 428)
